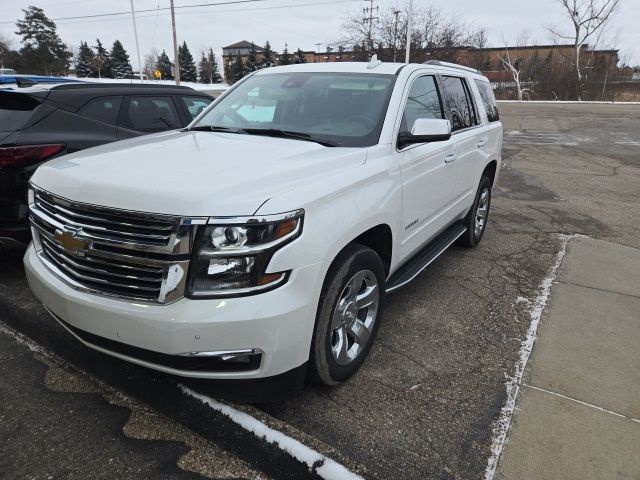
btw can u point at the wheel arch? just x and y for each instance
(380, 240)
(490, 170)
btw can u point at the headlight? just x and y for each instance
(231, 255)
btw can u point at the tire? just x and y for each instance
(344, 332)
(476, 224)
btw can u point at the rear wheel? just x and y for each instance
(349, 315)
(476, 219)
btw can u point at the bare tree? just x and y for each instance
(149, 64)
(515, 64)
(434, 34)
(588, 18)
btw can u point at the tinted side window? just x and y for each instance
(195, 105)
(150, 114)
(105, 109)
(423, 102)
(15, 109)
(459, 106)
(488, 100)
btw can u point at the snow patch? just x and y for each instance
(196, 86)
(329, 469)
(512, 385)
(23, 340)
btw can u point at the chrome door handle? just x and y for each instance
(482, 143)
(450, 158)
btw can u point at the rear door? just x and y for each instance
(468, 138)
(428, 176)
(144, 114)
(91, 125)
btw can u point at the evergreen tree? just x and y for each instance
(119, 59)
(286, 58)
(299, 57)
(215, 71)
(164, 66)
(237, 68)
(84, 61)
(209, 72)
(188, 71)
(268, 57)
(252, 64)
(204, 69)
(100, 65)
(43, 50)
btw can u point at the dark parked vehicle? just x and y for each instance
(42, 122)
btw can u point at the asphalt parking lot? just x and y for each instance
(425, 402)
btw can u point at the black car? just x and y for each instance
(39, 123)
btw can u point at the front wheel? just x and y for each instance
(349, 315)
(476, 219)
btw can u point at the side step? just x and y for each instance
(421, 260)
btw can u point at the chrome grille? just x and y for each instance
(110, 252)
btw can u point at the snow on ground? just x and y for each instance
(327, 470)
(536, 307)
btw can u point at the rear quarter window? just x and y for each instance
(105, 109)
(15, 110)
(488, 100)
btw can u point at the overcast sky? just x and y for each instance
(290, 21)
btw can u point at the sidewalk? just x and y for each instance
(578, 415)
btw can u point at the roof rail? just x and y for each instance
(452, 65)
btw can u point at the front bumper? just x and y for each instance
(279, 323)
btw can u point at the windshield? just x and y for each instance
(331, 108)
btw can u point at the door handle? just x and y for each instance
(482, 143)
(450, 158)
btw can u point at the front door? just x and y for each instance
(428, 171)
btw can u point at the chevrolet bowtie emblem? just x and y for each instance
(71, 242)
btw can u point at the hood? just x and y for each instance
(192, 173)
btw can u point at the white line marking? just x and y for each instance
(512, 385)
(581, 402)
(329, 470)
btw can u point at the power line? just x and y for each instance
(271, 7)
(228, 2)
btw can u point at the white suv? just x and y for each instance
(260, 241)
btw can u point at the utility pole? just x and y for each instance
(135, 33)
(318, 47)
(408, 47)
(369, 17)
(395, 33)
(175, 45)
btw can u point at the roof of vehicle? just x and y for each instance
(388, 68)
(77, 94)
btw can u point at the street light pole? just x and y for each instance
(135, 33)
(175, 45)
(408, 47)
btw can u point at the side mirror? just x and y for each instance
(426, 130)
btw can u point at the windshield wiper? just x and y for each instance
(276, 132)
(214, 128)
